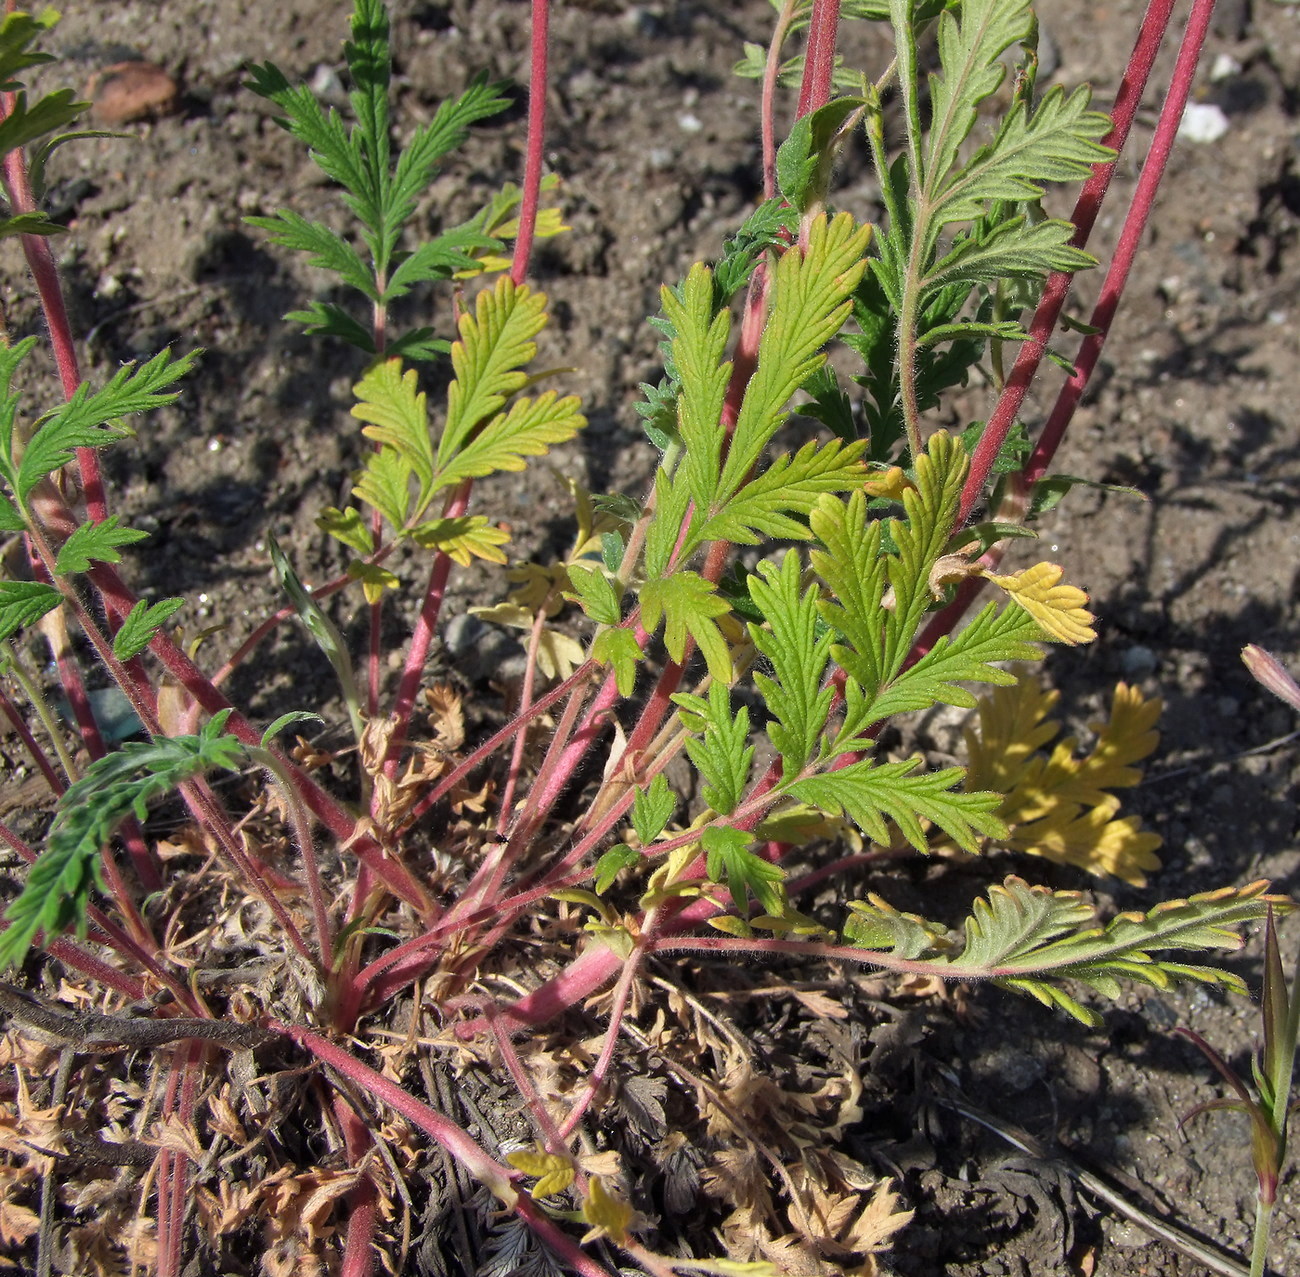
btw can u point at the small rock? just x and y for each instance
(1202, 122)
(327, 86)
(463, 634)
(1138, 661)
(1224, 68)
(130, 91)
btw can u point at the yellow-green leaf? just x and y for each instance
(397, 417)
(528, 430)
(618, 647)
(496, 341)
(554, 1173)
(374, 579)
(469, 536)
(608, 1215)
(1060, 609)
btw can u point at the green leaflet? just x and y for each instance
(95, 543)
(798, 654)
(1026, 938)
(652, 810)
(730, 861)
(689, 606)
(142, 622)
(718, 747)
(871, 793)
(23, 603)
(970, 51)
(89, 418)
(57, 892)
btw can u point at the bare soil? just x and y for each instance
(1197, 405)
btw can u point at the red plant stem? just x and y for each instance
(372, 657)
(363, 1200)
(622, 992)
(767, 106)
(551, 1136)
(19, 724)
(819, 60)
(174, 1167)
(538, 86)
(1151, 35)
(422, 637)
(45, 274)
(521, 741)
(496, 1177)
(1135, 223)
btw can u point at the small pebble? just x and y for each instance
(1202, 122)
(1138, 661)
(130, 91)
(1224, 68)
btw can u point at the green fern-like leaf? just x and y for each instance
(875, 924)
(871, 793)
(718, 745)
(971, 45)
(95, 543)
(1029, 938)
(57, 892)
(88, 419)
(1056, 143)
(689, 606)
(810, 301)
(790, 486)
(325, 249)
(798, 655)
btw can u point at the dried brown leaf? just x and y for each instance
(446, 717)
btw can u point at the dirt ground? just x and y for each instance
(1197, 405)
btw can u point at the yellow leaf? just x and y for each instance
(374, 579)
(1060, 806)
(554, 1172)
(1092, 839)
(461, 539)
(891, 483)
(1060, 609)
(607, 1162)
(608, 1215)
(505, 614)
(558, 655)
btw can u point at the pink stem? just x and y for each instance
(363, 1200)
(1135, 223)
(1150, 37)
(622, 992)
(538, 85)
(19, 724)
(496, 1177)
(819, 61)
(417, 654)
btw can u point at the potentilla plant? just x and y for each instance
(647, 643)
